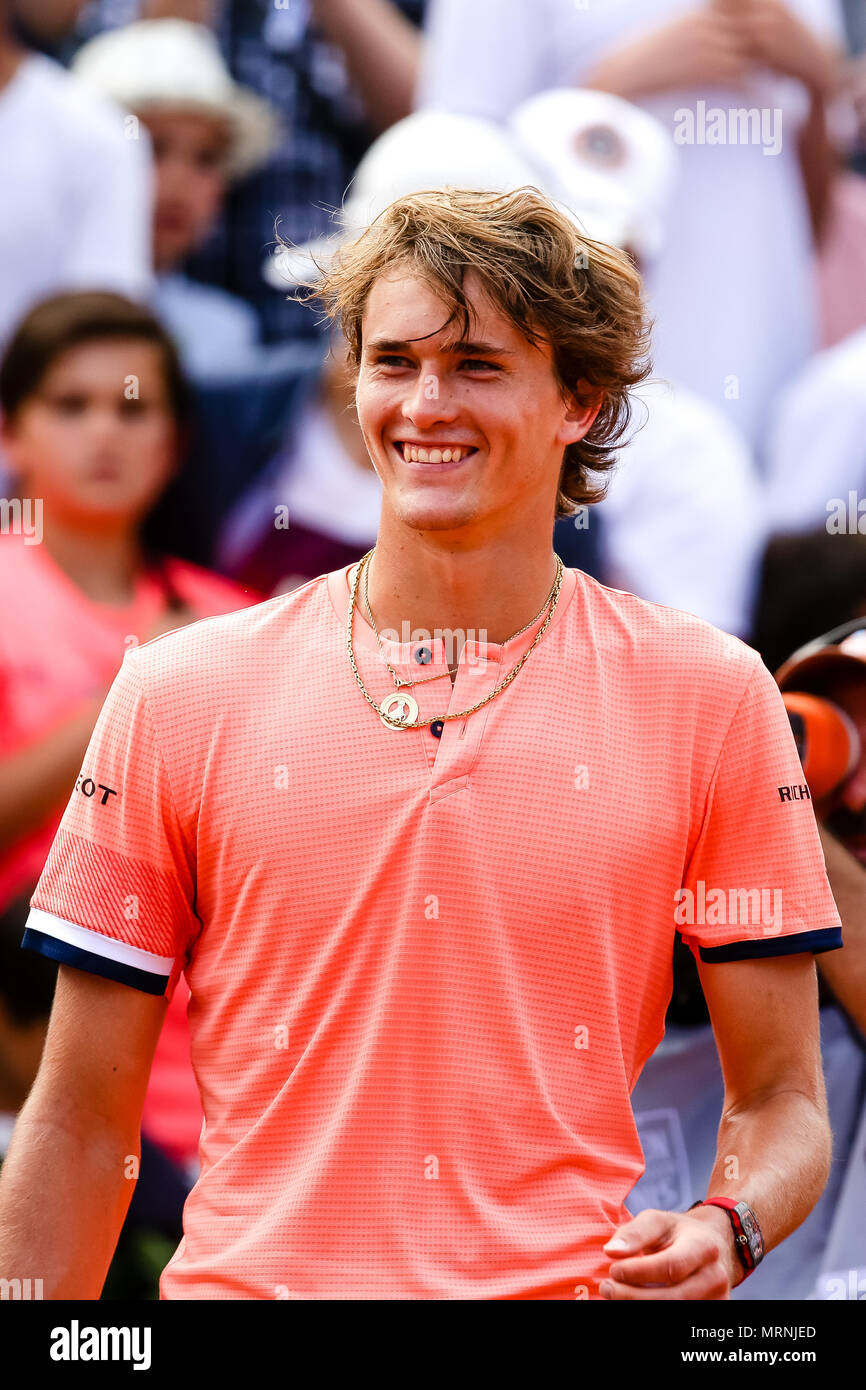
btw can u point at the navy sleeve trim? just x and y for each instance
(94, 964)
(824, 939)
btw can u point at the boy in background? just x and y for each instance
(94, 408)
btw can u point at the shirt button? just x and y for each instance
(436, 728)
(423, 655)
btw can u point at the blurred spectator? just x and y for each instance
(730, 325)
(76, 209)
(809, 583)
(682, 521)
(816, 443)
(338, 71)
(321, 481)
(94, 406)
(205, 130)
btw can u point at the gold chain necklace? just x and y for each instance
(399, 680)
(408, 707)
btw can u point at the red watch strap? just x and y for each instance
(741, 1240)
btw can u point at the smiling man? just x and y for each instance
(427, 924)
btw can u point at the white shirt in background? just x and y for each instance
(732, 291)
(816, 443)
(215, 332)
(682, 519)
(76, 193)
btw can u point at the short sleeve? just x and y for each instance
(117, 891)
(756, 883)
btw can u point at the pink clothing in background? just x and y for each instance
(841, 264)
(58, 649)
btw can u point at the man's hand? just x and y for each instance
(670, 1254)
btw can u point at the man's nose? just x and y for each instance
(429, 401)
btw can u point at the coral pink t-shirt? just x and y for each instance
(425, 971)
(57, 650)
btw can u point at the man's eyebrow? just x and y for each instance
(462, 347)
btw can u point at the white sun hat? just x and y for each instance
(427, 150)
(173, 63)
(605, 158)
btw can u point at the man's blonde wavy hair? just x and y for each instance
(583, 296)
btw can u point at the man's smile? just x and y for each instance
(439, 455)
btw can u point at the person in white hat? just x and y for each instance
(205, 131)
(682, 520)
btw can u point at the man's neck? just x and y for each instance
(102, 564)
(488, 592)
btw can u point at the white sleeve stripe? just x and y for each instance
(97, 943)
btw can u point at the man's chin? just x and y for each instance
(434, 515)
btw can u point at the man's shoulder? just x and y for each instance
(229, 647)
(658, 639)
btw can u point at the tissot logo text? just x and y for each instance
(88, 786)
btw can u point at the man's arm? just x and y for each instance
(68, 1178)
(774, 1143)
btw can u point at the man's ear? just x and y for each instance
(582, 407)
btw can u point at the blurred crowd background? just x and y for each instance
(177, 432)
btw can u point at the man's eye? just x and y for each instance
(479, 362)
(391, 360)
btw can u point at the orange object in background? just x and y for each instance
(827, 741)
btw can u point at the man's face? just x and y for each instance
(492, 400)
(190, 153)
(844, 812)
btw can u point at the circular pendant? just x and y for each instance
(400, 707)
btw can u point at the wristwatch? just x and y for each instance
(748, 1241)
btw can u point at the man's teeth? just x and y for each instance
(414, 454)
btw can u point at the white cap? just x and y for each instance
(606, 159)
(173, 63)
(429, 149)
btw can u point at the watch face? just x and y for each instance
(751, 1230)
